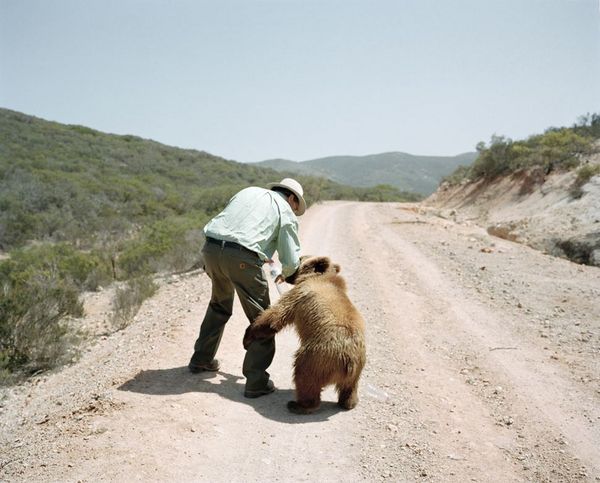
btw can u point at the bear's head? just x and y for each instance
(312, 267)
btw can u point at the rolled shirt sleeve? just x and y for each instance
(288, 247)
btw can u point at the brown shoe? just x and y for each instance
(210, 366)
(260, 392)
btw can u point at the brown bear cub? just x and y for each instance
(331, 330)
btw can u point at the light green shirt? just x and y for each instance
(262, 221)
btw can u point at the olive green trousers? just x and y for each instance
(233, 269)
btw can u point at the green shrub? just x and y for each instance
(40, 287)
(85, 270)
(584, 174)
(171, 244)
(212, 200)
(494, 159)
(34, 333)
(557, 148)
(457, 176)
(128, 300)
(588, 125)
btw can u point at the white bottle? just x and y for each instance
(275, 271)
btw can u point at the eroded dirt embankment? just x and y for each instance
(531, 207)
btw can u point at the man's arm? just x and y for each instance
(288, 248)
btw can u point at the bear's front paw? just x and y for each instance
(256, 332)
(248, 337)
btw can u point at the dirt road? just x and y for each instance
(483, 365)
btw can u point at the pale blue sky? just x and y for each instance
(299, 79)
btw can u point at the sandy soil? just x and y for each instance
(483, 365)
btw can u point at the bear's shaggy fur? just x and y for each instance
(331, 330)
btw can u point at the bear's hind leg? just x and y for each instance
(304, 406)
(347, 395)
(308, 388)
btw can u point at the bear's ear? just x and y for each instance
(337, 268)
(321, 264)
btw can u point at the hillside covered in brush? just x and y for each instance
(408, 172)
(81, 209)
(61, 182)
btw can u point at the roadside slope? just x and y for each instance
(533, 208)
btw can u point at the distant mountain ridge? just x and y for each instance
(408, 172)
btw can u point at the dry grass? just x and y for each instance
(128, 300)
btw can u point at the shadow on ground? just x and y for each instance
(178, 380)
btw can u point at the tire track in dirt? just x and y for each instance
(443, 429)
